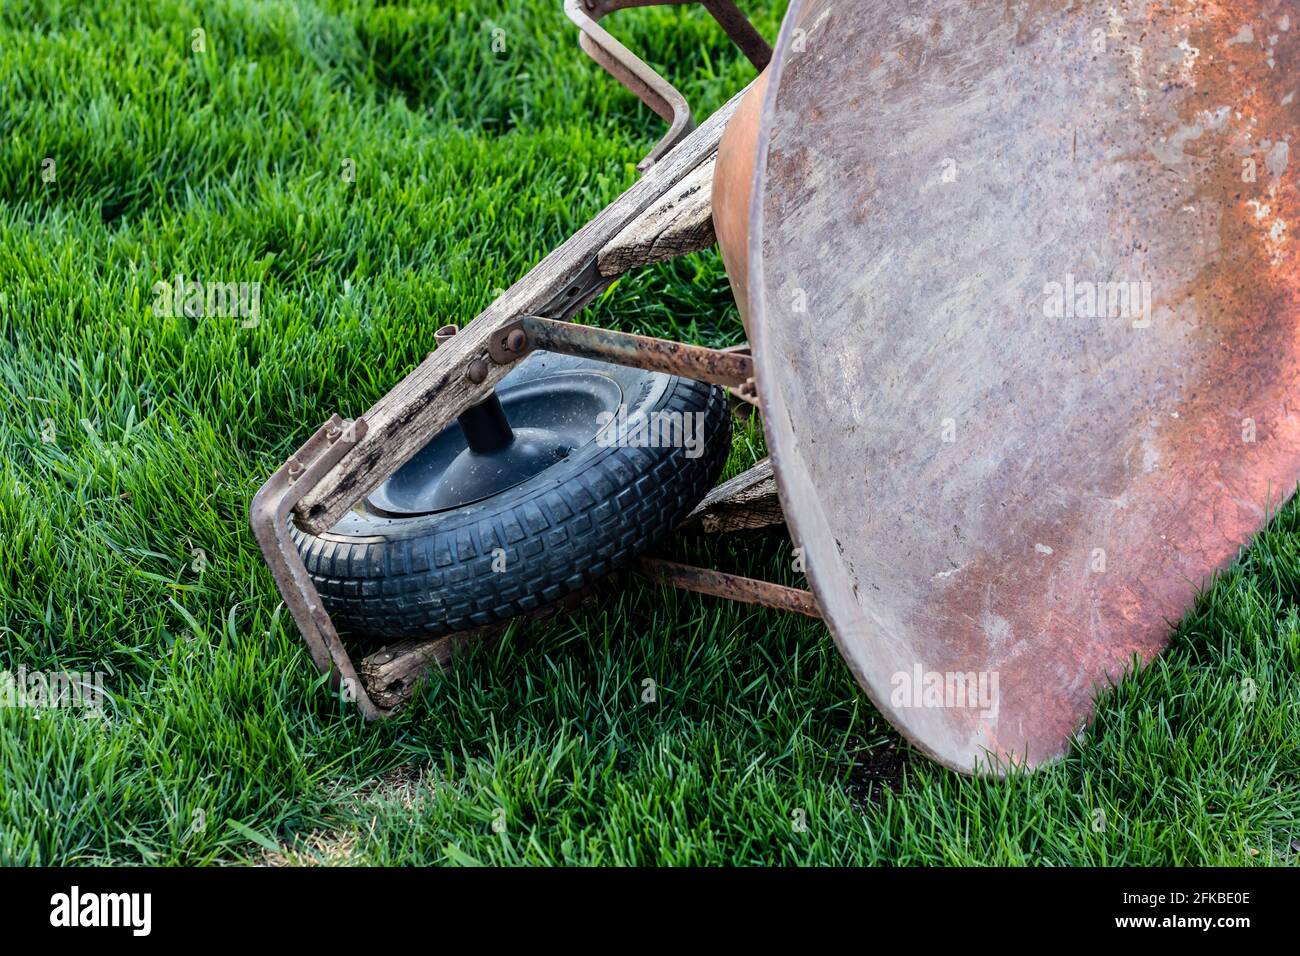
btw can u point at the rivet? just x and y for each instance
(516, 340)
(477, 371)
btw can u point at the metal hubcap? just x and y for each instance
(514, 435)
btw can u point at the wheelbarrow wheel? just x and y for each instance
(429, 553)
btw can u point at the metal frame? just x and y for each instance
(733, 587)
(715, 366)
(270, 515)
(648, 86)
(463, 368)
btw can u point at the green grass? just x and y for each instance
(470, 165)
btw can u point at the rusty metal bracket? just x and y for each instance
(648, 86)
(269, 515)
(745, 392)
(733, 587)
(727, 367)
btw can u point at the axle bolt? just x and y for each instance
(516, 340)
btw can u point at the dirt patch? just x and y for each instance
(318, 848)
(875, 770)
(405, 786)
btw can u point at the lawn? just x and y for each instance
(381, 170)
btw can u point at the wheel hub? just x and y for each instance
(514, 435)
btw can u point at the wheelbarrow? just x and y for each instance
(1020, 288)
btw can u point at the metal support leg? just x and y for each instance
(269, 516)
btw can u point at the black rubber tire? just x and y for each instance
(561, 530)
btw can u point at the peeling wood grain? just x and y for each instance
(681, 222)
(392, 672)
(747, 501)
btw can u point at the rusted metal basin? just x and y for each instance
(1023, 294)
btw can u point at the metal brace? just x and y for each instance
(648, 86)
(270, 516)
(727, 367)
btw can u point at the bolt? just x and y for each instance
(477, 371)
(516, 340)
